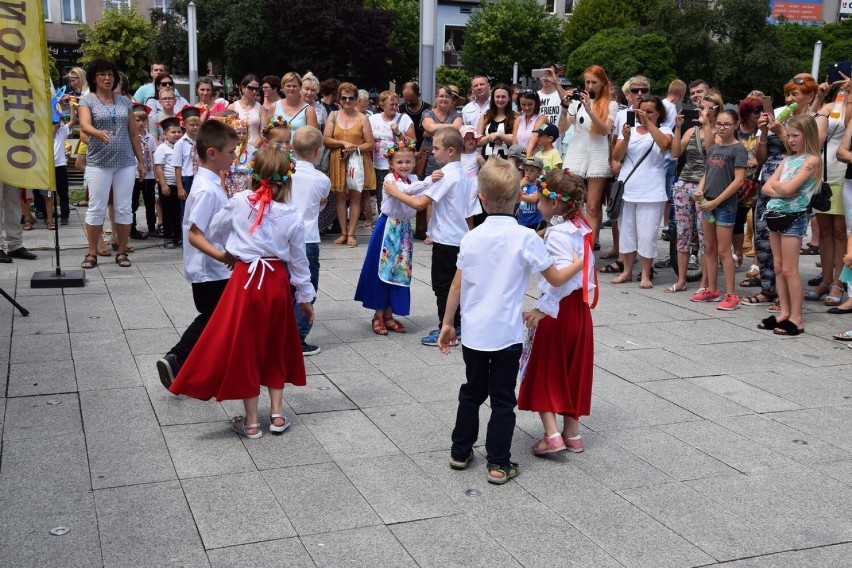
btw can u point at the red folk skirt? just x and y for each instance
(559, 374)
(250, 341)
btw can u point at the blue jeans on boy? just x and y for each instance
(302, 322)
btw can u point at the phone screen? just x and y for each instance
(690, 118)
(631, 118)
(835, 69)
(767, 106)
(539, 73)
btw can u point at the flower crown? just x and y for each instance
(278, 179)
(276, 122)
(236, 122)
(408, 145)
(541, 183)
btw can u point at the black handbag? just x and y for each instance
(821, 199)
(616, 192)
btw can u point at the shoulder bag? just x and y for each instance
(616, 199)
(821, 199)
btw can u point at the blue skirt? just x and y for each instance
(372, 292)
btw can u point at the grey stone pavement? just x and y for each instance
(710, 442)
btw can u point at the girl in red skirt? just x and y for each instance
(251, 339)
(558, 376)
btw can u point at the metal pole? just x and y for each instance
(428, 25)
(191, 26)
(515, 73)
(815, 62)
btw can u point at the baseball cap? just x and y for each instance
(534, 162)
(549, 129)
(517, 151)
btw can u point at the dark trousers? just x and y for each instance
(443, 271)
(62, 191)
(205, 295)
(171, 215)
(302, 322)
(187, 187)
(145, 188)
(489, 374)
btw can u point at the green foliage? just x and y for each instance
(124, 36)
(506, 31)
(686, 30)
(453, 76)
(592, 16)
(624, 53)
(51, 67)
(171, 44)
(404, 35)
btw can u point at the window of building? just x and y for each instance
(163, 5)
(72, 11)
(569, 6)
(46, 4)
(550, 6)
(110, 4)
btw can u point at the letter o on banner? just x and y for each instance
(11, 155)
(15, 33)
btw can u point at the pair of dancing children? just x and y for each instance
(494, 264)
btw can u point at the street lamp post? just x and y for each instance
(191, 25)
(428, 25)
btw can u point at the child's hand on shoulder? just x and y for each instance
(391, 188)
(436, 175)
(307, 310)
(446, 339)
(532, 317)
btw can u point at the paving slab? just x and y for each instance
(744, 394)
(349, 435)
(288, 551)
(34, 417)
(48, 377)
(44, 466)
(826, 557)
(370, 546)
(696, 399)
(200, 450)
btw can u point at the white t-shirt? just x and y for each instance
(281, 234)
(163, 157)
(391, 206)
(551, 106)
(671, 116)
(204, 201)
(384, 136)
(59, 138)
(496, 260)
(561, 241)
(449, 211)
(470, 168)
(310, 186)
(648, 182)
(184, 155)
(473, 111)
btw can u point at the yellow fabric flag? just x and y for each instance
(26, 130)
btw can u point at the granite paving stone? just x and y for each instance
(44, 466)
(42, 416)
(289, 551)
(695, 399)
(93, 372)
(744, 394)
(369, 546)
(200, 450)
(49, 377)
(349, 435)
(412, 427)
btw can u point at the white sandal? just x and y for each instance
(273, 429)
(238, 425)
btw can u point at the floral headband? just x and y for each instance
(407, 145)
(541, 183)
(276, 122)
(235, 122)
(277, 179)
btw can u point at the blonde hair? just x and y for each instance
(450, 137)
(269, 163)
(569, 185)
(80, 74)
(806, 124)
(386, 96)
(290, 77)
(499, 181)
(310, 80)
(306, 141)
(140, 114)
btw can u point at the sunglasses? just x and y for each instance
(527, 92)
(167, 84)
(640, 90)
(347, 98)
(796, 81)
(253, 89)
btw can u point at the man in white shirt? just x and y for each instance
(473, 111)
(552, 97)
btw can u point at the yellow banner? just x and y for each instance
(26, 130)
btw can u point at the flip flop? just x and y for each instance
(843, 336)
(838, 311)
(788, 328)
(756, 301)
(768, 323)
(673, 288)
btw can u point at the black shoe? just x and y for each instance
(597, 246)
(815, 281)
(39, 215)
(168, 368)
(665, 235)
(308, 349)
(63, 220)
(5, 258)
(665, 263)
(22, 253)
(607, 223)
(155, 234)
(138, 236)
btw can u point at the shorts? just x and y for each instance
(799, 227)
(726, 215)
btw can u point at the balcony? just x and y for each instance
(453, 58)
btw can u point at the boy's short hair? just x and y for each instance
(499, 181)
(192, 120)
(450, 137)
(213, 134)
(306, 141)
(140, 114)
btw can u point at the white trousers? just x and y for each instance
(101, 180)
(637, 227)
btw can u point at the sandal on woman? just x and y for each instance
(278, 429)
(394, 325)
(753, 271)
(673, 288)
(775, 307)
(89, 262)
(351, 242)
(507, 472)
(815, 295)
(122, 260)
(832, 300)
(787, 327)
(379, 326)
(768, 323)
(51, 226)
(621, 279)
(127, 248)
(809, 250)
(843, 336)
(616, 267)
(750, 282)
(27, 226)
(341, 240)
(758, 299)
(238, 425)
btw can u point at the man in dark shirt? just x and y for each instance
(414, 107)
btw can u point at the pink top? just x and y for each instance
(525, 129)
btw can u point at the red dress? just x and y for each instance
(250, 341)
(559, 374)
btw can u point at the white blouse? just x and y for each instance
(393, 207)
(561, 241)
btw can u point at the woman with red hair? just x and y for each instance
(588, 154)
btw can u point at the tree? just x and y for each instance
(170, 41)
(592, 16)
(453, 76)
(624, 53)
(686, 25)
(348, 41)
(124, 36)
(404, 37)
(508, 31)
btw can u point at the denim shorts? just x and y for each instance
(799, 228)
(726, 216)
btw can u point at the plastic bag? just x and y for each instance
(355, 171)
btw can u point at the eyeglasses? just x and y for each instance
(166, 84)
(640, 90)
(796, 81)
(724, 124)
(166, 99)
(265, 87)
(347, 98)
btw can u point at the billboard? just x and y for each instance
(800, 10)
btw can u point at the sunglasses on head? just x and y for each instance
(347, 97)
(640, 90)
(527, 92)
(796, 81)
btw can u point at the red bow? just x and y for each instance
(260, 200)
(399, 178)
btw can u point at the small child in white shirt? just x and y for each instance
(471, 162)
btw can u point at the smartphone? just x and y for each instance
(835, 69)
(539, 73)
(690, 118)
(591, 95)
(767, 106)
(631, 118)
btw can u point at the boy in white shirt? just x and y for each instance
(494, 267)
(185, 157)
(449, 197)
(164, 172)
(145, 187)
(207, 265)
(309, 195)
